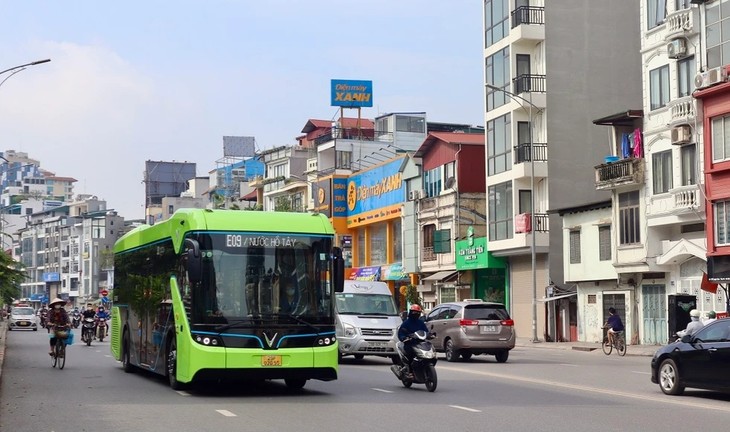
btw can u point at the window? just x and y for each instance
(344, 159)
(442, 241)
(496, 21)
(428, 231)
(499, 145)
(498, 75)
(525, 204)
(720, 138)
(717, 20)
(722, 220)
(450, 171)
(432, 182)
(397, 240)
(410, 124)
(604, 243)
(681, 4)
(659, 87)
(378, 244)
(629, 218)
(575, 246)
(656, 12)
(500, 211)
(686, 71)
(170, 209)
(662, 166)
(689, 162)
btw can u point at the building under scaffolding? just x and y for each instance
(236, 166)
(164, 179)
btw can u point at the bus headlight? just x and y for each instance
(208, 340)
(323, 341)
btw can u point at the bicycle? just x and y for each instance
(59, 349)
(619, 342)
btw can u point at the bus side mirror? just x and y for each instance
(338, 270)
(194, 262)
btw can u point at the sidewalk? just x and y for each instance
(631, 350)
(3, 326)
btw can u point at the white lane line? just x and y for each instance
(107, 355)
(182, 393)
(226, 413)
(381, 390)
(641, 372)
(567, 364)
(464, 408)
(585, 388)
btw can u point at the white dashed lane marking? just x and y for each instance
(381, 390)
(465, 408)
(182, 393)
(226, 413)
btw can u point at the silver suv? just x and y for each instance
(472, 327)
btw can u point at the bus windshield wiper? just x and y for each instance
(237, 324)
(301, 321)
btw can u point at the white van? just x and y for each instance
(367, 320)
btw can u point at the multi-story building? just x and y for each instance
(164, 179)
(548, 57)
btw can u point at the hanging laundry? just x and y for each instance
(638, 146)
(625, 146)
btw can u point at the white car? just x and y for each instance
(22, 317)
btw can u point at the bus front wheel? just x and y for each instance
(172, 366)
(126, 365)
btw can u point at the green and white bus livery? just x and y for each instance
(216, 294)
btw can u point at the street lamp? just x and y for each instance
(20, 68)
(515, 98)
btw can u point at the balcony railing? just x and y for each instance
(683, 111)
(354, 134)
(680, 21)
(623, 172)
(528, 15)
(523, 153)
(427, 254)
(686, 197)
(523, 223)
(527, 83)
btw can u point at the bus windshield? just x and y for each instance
(255, 276)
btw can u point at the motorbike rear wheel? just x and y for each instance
(431, 378)
(407, 383)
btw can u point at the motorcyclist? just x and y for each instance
(694, 325)
(44, 315)
(101, 314)
(89, 312)
(58, 318)
(411, 325)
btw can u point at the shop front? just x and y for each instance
(487, 274)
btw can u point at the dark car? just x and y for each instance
(699, 361)
(472, 327)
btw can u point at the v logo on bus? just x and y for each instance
(270, 340)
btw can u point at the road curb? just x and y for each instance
(3, 335)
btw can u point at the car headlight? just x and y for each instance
(350, 330)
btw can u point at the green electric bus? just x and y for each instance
(217, 294)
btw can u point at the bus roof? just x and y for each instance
(185, 220)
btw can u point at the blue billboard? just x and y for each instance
(351, 93)
(51, 277)
(376, 189)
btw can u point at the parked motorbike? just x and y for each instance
(101, 329)
(422, 369)
(87, 330)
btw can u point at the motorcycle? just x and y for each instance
(422, 369)
(87, 330)
(101, 329)
(76, 319)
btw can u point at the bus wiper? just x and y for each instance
(299, 320)
(238, 324)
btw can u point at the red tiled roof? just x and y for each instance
(450, 138)
(347, 123)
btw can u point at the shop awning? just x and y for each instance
(444, 276)
(557, 297)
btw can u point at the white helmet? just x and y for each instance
(694, 313)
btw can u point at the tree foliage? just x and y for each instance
(11, 275)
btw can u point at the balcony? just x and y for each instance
(523, 223)
(687, 197)
(523, 152)
(354, 134)
(427, 254)
(682, 23)
(528, 24)
(625, 172)
(527, 83)
(682, 111)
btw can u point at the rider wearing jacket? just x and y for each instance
(101, 314)
(58, 318)
(411, 325)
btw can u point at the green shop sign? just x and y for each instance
(472, 254)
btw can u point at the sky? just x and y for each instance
(165, 80)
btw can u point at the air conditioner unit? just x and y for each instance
(710, 77)
(414, 195)
(681, 135)
(677, 48)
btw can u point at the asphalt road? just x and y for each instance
(537, 389)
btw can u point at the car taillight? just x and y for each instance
(508, 322)
(465, 322)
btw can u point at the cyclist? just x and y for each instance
(613, 324)
(58, 319)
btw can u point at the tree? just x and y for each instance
(11, 275)
(410, 292)
(283, 204)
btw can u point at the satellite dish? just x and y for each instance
(450, 182)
